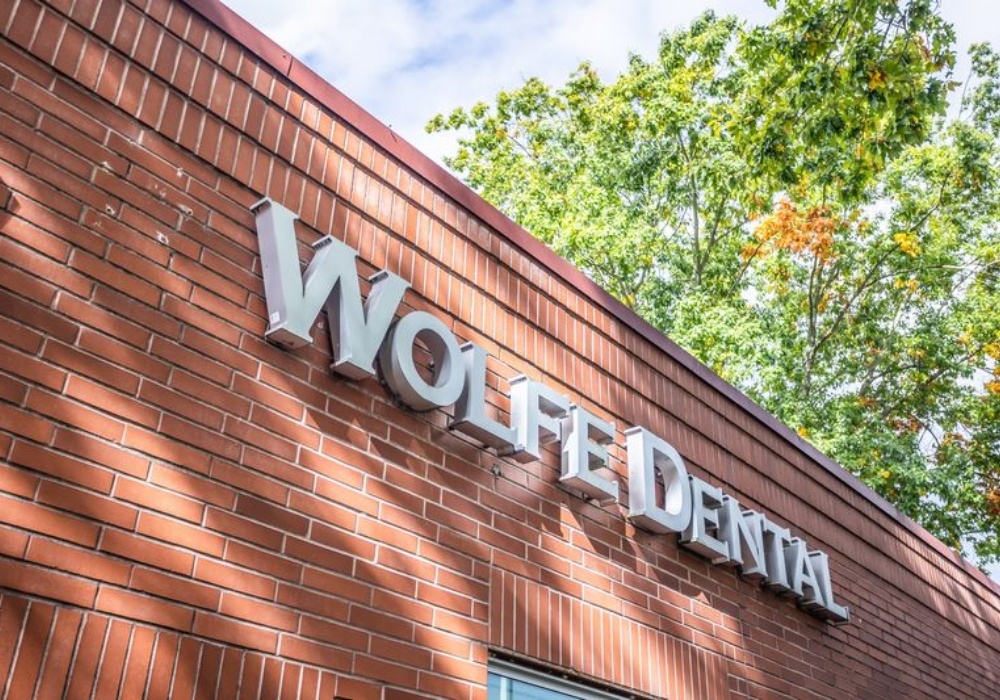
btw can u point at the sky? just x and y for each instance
(405, 61)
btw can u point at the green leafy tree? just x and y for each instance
(789, 203)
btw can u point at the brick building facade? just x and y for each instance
(189, 509)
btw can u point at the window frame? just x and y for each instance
(549, 681)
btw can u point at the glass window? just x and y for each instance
(509, 682)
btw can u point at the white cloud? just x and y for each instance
(407, 60)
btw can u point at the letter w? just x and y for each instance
(294, 299)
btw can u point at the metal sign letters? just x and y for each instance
(708, 521)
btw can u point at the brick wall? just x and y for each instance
(186, 509)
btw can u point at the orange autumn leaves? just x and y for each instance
(810, 231)
(797, 231)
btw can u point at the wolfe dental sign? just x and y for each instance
(366, 334)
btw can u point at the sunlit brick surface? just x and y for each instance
(186, 509)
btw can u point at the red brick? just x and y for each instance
(221, 352)
(206, 685)
(13, 612)
(339, 539)
(163, 159)
(331, 559)
(191, 313)
(277, 515)
(193, 485)
(74, 414)
(261, 394)
(43, 41)
(122, 355)
(378, 621)
(283, 361)
(230, 273)
(259, 612)
(45, 583)
(19, 336)
(226, 238)
(36, 317)
(151, 498)
(290, 681)
(244, 480)
(344, 455)
(230, 675)
(193, 362)
(182, 590)
(59, 653)
(204, 276)
(84, 107)
(18, 481)
(166, 448)
(74, 560)
(220, 317)
(111, 401)
(148, 242)
(209, 393)
(169, 191)
(311, 652)
(243, 528)
(88, 504)
(184, 535)
(116, 646)
(31, 649)
(53, 151)
(140, 657)
(162, 669)
(66, 468)
(234, 578)
(141, 268)
(252, 676)
(101, 320)
(231, 631)
(244, 432)
(13, 543)
(32, 369)
(179, 404)
(129, 195)
(345, 498)
(262, 562)
(74, 192)
(211, 441)
(344, 636)
(37, 518)
(385, 671)
(330, 512)
(285, 471)
(40, 190)
(33, 248)
(133, 606)
(116, 278)
(85, 364)
(86, 661)
(330, 607)
(271, 680)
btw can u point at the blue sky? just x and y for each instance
(407, 60)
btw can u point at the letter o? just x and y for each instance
(401, 373)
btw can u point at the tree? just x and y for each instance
(790, 204)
